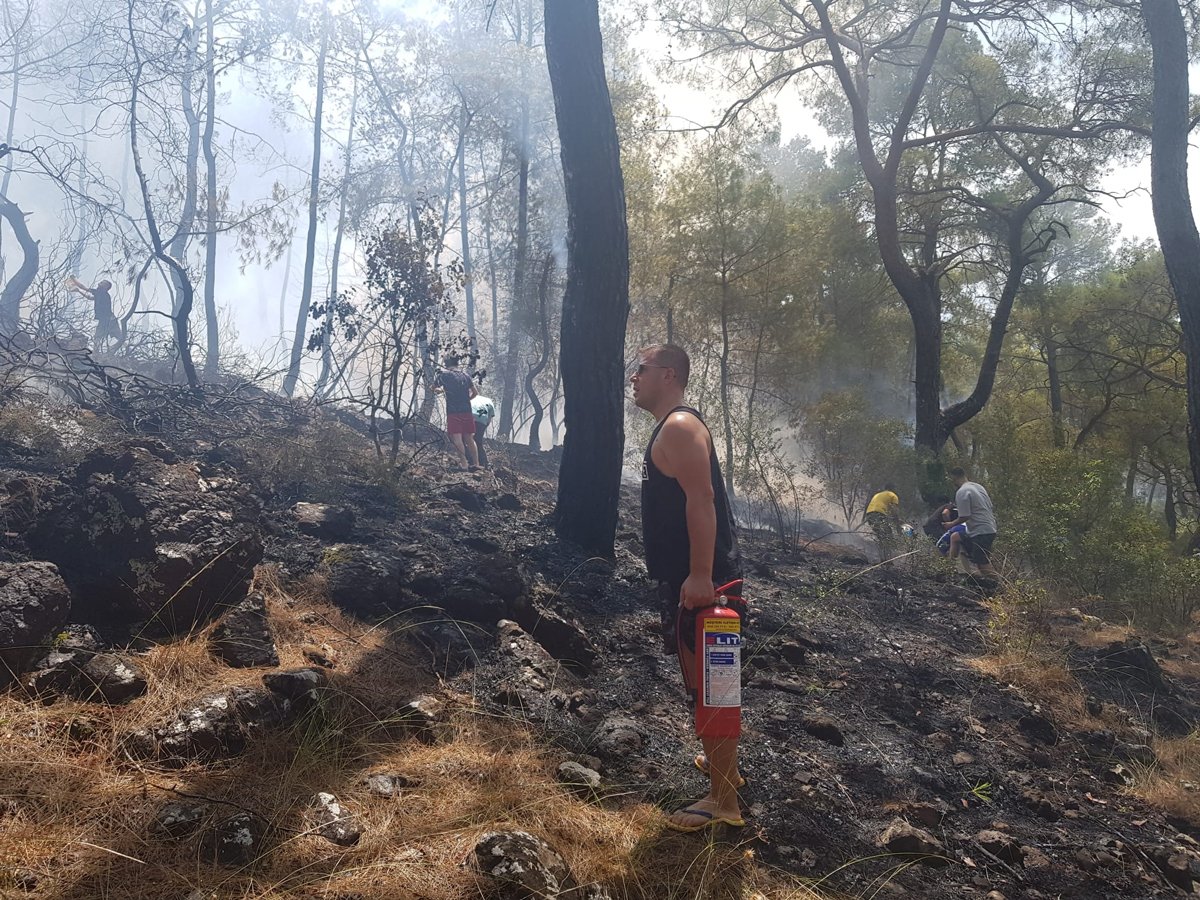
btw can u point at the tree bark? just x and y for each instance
(1056, 403)
(1171, 201)
(212, 356)
(596, 302)
(535, 425)
(323, 382)
(15, 287)
(516, 305)
(310, 258)
(177, 246)
(464, 231)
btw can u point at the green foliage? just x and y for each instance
(854, 451)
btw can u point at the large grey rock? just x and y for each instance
(333, 822)
(524, 867)
(618, 737)
(330, 523)
(236, 841)
(300, 686)
(141, 535)
(110, 678)
(34, 603)
(217, 725)
(243, 636)
(361, 580)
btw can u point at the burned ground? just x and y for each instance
(869, 695)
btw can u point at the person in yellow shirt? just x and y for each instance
(883, 515)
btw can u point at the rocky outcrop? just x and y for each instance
(361, 580)
(523, 866)
(217, 725)
(243, 636)
(141, 535)
(329, 523)
(34, 603)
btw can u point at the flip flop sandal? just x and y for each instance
(710, 821)
(701, 762)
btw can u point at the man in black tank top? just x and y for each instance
(691, 548)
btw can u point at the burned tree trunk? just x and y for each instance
(1172, 204)
(535, 425)
(15, 287)
(596, 302)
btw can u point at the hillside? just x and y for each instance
(273, 616)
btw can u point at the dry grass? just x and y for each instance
(1044, 678)
(1173, 785)
(77, 815)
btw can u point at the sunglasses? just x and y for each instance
(641, 369)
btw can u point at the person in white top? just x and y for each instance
(976, 512)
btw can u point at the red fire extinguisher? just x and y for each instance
(718, 675)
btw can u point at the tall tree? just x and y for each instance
(298, 342)
(1172, 204)
(596, 302)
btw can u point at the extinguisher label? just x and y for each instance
(722, 663)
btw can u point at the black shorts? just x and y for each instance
(675, 619)
(979, 548)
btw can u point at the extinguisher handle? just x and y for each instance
(724, 590)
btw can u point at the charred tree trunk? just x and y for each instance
(1172, 204)
(463, 230)
(596, 303)
(535, 425)
(726, 412)
(516, 306)
(183, 310)
(1055, 383)
(293, 372)
(15, 287)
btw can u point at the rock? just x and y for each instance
(1001, 846)
(333, 822)
(479, 544)
(823, 729)
(111, 678)
(563, 639)
(793, 653)
(1118, 775)
(79, 639)
(388, 784)
(421, 714)
(448, 644)
(963, 758)
(218, 725)
(297, 685)
(330, 523)
(236, 841)
(53, 674)
(523, 866)
(618, 737)
(578, 778)
(243, 636)
(928, 814)
(361, 580)
(466, 497)
(34, 603)
(1041, 805)
(1038, 728)
(1131, 660)
(901, 838)
(141, 535)
(1139, 754)
(1180, 869)
(324, 655)
(509, 503)
(176, 820)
